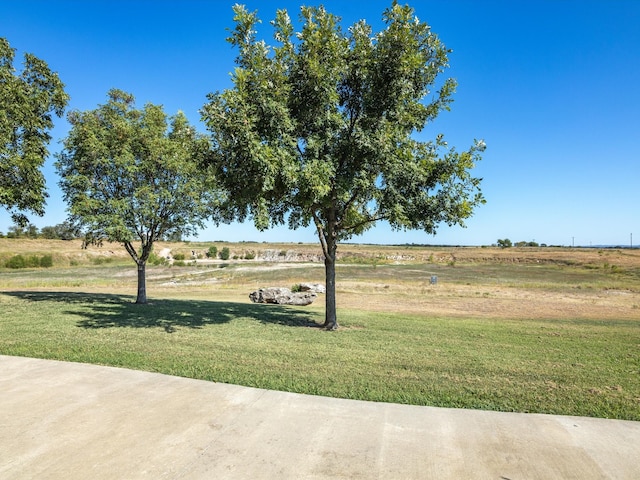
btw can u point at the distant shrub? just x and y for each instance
(250, 255)
(32, 261)
(179, 263)
(17, 261)
(179, 256)
(225, 253)
(46, 261)
(526, 244)
(101, 260)
(212, 252)
(156, 260)
(361, 259)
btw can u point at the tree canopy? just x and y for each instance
(132, 176)
(319, 129)
(28, 101)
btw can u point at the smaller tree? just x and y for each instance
(16, 231)
(523, 243)
(19, 230)
(504, 243)
(32, 231)
(131, 176)
(27, 101)
(225, 253)
(62, 231)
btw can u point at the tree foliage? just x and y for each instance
(62, 231)
(131, 176)
(319, 129)
(17, 230)
(28, 101)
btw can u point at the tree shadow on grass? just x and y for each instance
(100, 310)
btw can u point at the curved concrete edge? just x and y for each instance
(61, 420)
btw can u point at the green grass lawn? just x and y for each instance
(526, 330)
(584, 367)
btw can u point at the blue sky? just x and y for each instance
(553, 87)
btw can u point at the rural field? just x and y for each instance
(547, 330)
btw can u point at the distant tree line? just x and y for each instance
(506, 243)
(62, 231)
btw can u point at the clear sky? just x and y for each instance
(552, 86)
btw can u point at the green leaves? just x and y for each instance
(320, 128)
(133, 175)
(27, 102)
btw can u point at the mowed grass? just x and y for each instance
(468, 342)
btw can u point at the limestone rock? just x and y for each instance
(312, 287)
(282, 296)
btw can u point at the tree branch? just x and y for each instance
(131, 250)
(323, 240)
(364, 222)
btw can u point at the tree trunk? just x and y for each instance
(142, 283)
(329, 242)
(331, 319)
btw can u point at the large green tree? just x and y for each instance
(28, 100)
(132, 176)
(321, 129)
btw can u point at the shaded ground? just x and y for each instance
(99, 310)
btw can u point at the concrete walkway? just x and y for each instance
(63, 420)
